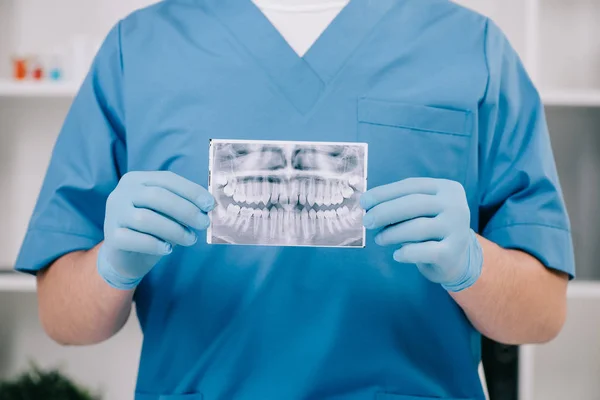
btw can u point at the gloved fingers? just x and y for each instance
(414, 231)
(380, 194)
(181, 187)
(159, 226)
(138, 242)
(419, 253)
(171, 205)
(402, 209)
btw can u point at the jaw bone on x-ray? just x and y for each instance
(287, 193)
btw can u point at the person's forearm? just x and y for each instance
(516, 300)
(76, 306)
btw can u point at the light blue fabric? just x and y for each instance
(428, 221)
(434, 89)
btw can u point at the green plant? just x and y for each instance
(36, 384)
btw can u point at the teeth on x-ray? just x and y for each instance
(287, 193)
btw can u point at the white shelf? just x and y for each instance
(37, 89)
(584, 290)
(571, 98)
(17, 283)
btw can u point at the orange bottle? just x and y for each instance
(20, 68)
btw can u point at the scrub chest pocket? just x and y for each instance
(390, 396)
(196, 396)
(407, 141)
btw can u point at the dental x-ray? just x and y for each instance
(287, 193)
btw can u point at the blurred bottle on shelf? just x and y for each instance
(37, 69)
(20, 68)
(54, 67)
(31, 68)
(71, 61)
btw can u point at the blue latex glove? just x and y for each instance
(146, 215)
(429, 221)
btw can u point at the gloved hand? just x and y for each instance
(146, 215)
(429, 221)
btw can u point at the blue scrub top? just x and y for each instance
(434, 89)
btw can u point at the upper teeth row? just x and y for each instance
(297, 191)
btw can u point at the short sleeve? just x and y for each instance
(521, 202)
(85, 167)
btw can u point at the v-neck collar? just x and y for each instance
(302, 80)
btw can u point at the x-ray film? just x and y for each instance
(285, 193)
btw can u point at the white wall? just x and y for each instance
(28, 129)
(570, 43)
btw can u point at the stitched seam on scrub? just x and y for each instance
(485, 61)
(62, 232)
(395, 102)
(526, 224)
(414, 129)
(330, 83)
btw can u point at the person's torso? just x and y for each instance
(249, 322)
